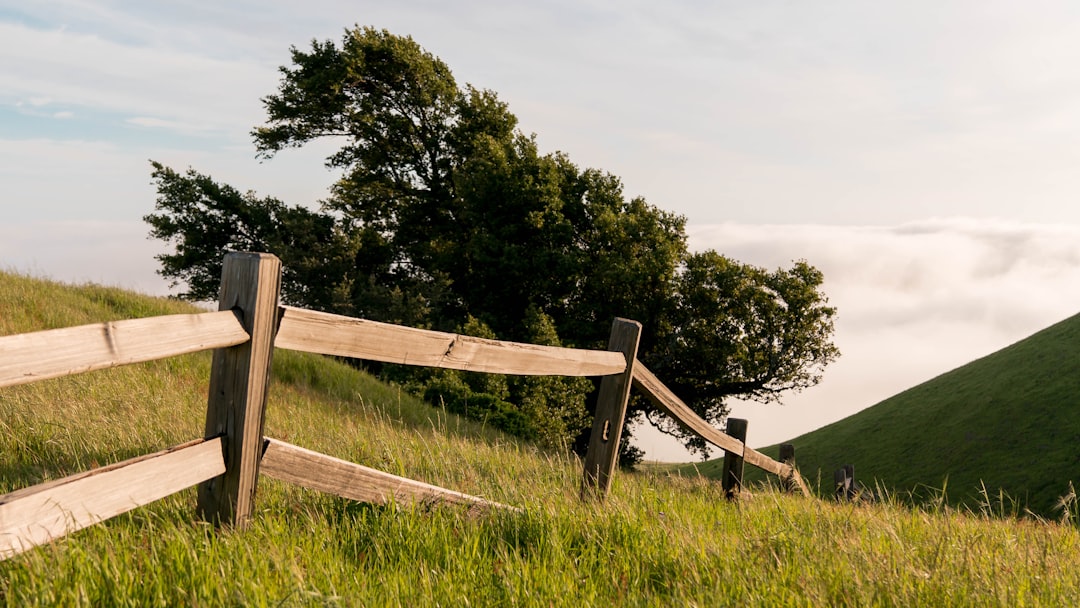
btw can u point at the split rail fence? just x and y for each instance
(226, 463)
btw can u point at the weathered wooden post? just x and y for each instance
(733, 463)
(787, 456)
(239, 376)
(603, 451)
(844, 477)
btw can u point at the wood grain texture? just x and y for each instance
(317, 471)
(39, 514)
(72, 350)
(603, 451)
(239, 379)
(329, 334)
(662, 397)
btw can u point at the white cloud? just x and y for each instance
(172, 125)
(1010, 274)
(744, 112)
(178, 87)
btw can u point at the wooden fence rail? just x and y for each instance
(226, 463)
(40, 513)
(72, 350)
(316, 471)
(664, 399)
(329, 334)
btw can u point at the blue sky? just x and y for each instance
(923, 154)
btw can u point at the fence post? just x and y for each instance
(844, 478)
(250, 285)
(787, 456)
(611, 403)
(733, 463)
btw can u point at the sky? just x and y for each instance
(922, 154)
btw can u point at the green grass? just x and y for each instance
(1001, 433)
(659, 540)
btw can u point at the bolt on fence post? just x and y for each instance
(733, 463)
(603, 451)
(239, 377)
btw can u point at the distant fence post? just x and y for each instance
(239, 376)
(787, 456)
(844, 477)
(733, 463)
(603, 451)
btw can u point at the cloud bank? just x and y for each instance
(913, 301)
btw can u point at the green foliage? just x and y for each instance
(202, 219)
(446, 212)
(549, 410)
(459, 398)
(557, 405)
(767, 332)
(658, 540)
(461, 199)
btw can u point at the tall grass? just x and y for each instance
(658, 540)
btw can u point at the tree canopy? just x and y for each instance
(448, 216)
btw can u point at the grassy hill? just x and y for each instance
(1008, 422)
(656, 541)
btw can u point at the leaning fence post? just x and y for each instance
(611, 402)
(239, 376)
(733, 463)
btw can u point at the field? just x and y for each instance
(659, 540)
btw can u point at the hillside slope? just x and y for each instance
(56, 426)
(655, 541)
(1009, 421)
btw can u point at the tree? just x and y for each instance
(447, 216)
(407, 129)
(202, 219)
(537, 231)
(458, 195)
(740, 330)
(628, 253)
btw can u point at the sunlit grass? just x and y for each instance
(658, 540)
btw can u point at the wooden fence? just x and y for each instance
(227, 461)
